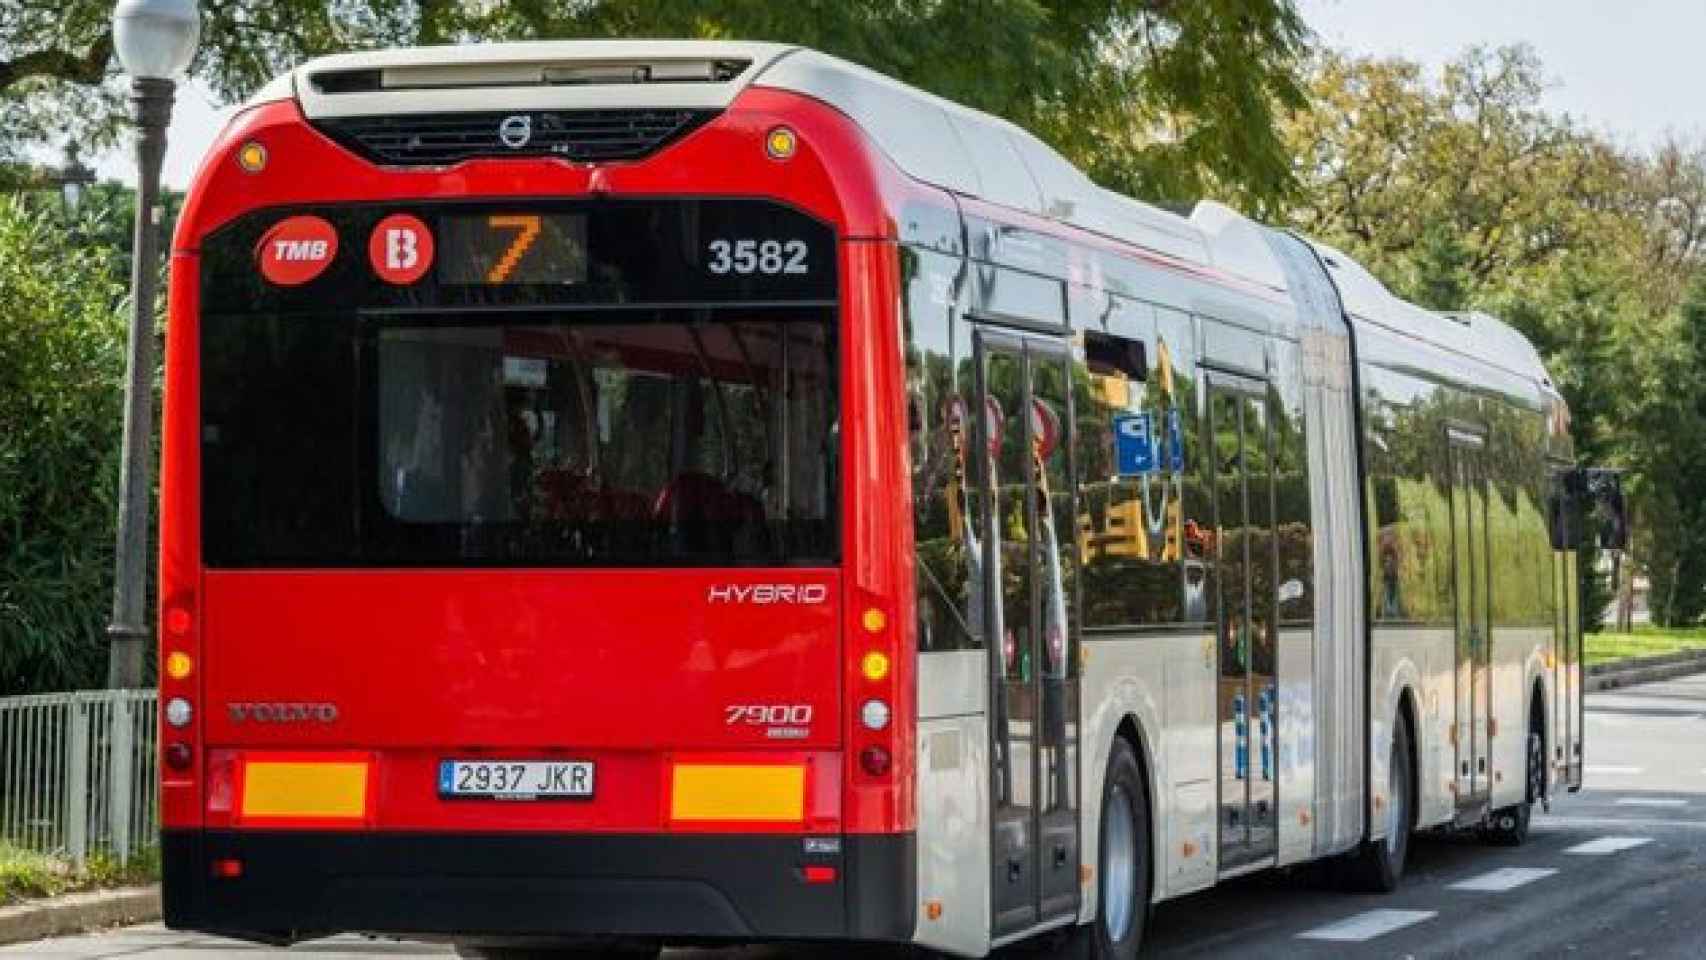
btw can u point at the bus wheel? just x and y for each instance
(1378, 865)
(1122, 865)
(1508, 827)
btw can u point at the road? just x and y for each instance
(1619, 869)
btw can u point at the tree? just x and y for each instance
(1391, 161)
(1669, 461)
(1463, 192)
(1159, 99)
(61, 369)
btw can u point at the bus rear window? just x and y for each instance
(701, 436)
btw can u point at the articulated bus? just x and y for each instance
(619, 494)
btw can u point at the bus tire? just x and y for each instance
(1123, 868)
(1378, 865)
(1508, 827)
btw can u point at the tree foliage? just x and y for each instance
(1168, 101)
(1464, 192)
(61, 374)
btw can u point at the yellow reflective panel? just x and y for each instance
(738, 792)
(304, 790)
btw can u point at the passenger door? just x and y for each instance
(1466, 452)
(1248, 701)
(1024, 384)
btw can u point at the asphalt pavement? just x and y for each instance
(1616, 870)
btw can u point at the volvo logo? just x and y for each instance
(515, 131)
(283, 712)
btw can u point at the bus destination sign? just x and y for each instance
(500, 248)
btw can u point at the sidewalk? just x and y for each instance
(1622, 673)
(78, 912)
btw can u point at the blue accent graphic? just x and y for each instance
(1134, 443)
(446, 776)
(1265, 711)
(1241, 727)
(1175, 442)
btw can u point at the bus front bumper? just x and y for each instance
(284, 886)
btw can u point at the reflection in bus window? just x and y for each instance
(1410, 567)
(948, 519)
(1141, 536)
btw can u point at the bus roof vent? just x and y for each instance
(538, 73)
(550, 75)
(579, 136)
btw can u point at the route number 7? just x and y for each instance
(528, 231)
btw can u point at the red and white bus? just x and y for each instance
(626, 493)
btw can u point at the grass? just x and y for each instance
(1644, 642)
(25, 875)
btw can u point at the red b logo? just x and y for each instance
(296, 250)
(400, 249)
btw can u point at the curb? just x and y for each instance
(1610, 676)
(78, 912)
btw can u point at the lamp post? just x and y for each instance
(155, 40)
(73, 179)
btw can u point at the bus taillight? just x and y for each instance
(876, 761)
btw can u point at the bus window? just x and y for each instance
(1293, 535)
(1410, 569)
(1141, 529)
(500, 442)
(947, 505)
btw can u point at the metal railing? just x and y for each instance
(78, 773)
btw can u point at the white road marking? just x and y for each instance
(1505, 878)
(1612, 770)
(1367, 926)
(1651, 802)
(1618, 823)
(1605, 845)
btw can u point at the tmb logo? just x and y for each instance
(296, 250)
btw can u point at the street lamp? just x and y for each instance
(73, 178)
(155, 40)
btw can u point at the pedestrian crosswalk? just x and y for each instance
(1607, 845)
(1368, 925)
(1371, 924)
(1505, 878)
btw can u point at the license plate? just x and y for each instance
(515, 779)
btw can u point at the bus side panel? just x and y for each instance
(1296, 753)
(1413, 659)
(1518, 660)
(1166, 685)
(953, 800)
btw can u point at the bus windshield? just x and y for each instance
(690, 436)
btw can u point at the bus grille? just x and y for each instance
(581, 136)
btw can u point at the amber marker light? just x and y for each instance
(179, 666)
(875, 665)
(252, 157)
(780, 143)
(874, 620)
